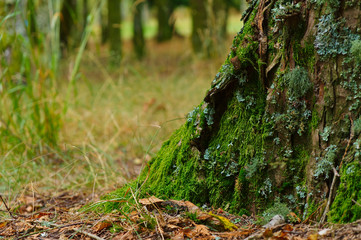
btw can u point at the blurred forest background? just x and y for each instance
(90, 89)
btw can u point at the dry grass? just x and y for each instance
(116, 121)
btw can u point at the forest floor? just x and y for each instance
(61, 217)
(117, 122)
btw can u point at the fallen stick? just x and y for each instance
(64, 226)
(6, 206)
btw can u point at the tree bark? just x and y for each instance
(114, 36)
(165, 9)
(68, 21)
(280, 122)
(199, 24)
(209, 25)
(138, 34)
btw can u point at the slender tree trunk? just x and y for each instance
(68, 22)
(199, 24)
(165, 24)
(114, 35)
(280, 123)
(138, 35)
(104, 27)
(209, 29)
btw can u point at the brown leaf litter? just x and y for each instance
(58, 217)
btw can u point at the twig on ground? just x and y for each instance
(64, 226)
(6, 206)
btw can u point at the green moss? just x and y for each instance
(298, 82)
(315, 120)
(304, 56)
(344, 209)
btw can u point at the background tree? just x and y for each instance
(165, 10)
(138, 33)
(209, 25)
(281, 122)
(114, 34)
(199, 24)
(69, 18)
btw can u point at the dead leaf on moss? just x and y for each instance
(101, 225)
(294, 217)
(150, 201)
(228, 225)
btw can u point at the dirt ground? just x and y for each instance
(34, 216)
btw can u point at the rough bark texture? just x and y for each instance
(280, 121)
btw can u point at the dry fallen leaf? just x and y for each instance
(102, 225)
(40, 214)
(3, 224)
(268, 233)
(313, 237)
(228, 225)
(150, 201)
(294, 217)
(186, 204)
(287, 227)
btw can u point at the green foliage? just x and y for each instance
(356, 50)
(30, 111)
(295, 118)
(325, 164)
(278, 208)
(304, 56)
(332, 37)
(208, 113)
(315, 120)
(351, 76)
(357, 126)
(326, 133)
(332, 5)
(298, 82)
(344, 209)
(285, 9)
(193, 216)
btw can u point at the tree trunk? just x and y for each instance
(209, 25)
(138, 35)
(199, 24)
(68, 21)
(104, 27)
(165, 24)
(114, 36)
(281, 120)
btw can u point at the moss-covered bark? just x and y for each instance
(280, 121)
